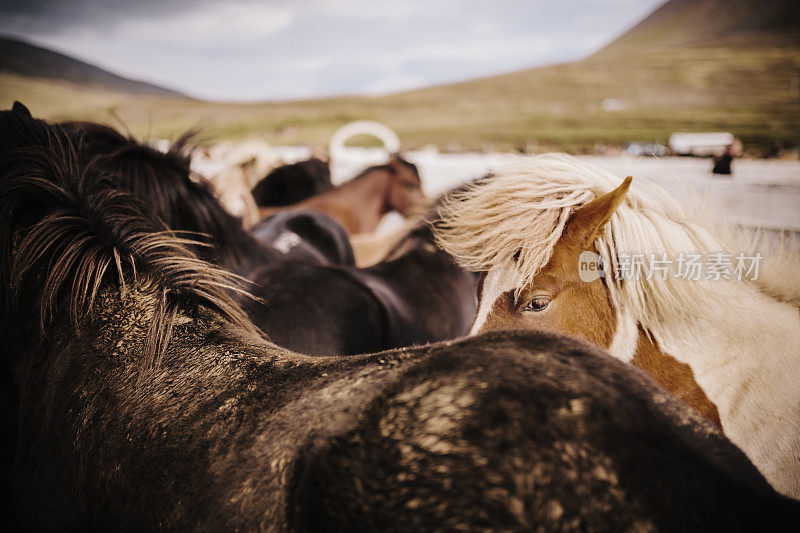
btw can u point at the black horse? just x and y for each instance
(143, 400)
(312, 282)
(289, 184)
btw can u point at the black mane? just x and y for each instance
(164, 181)
(69, 232)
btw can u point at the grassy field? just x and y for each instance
(753, 92)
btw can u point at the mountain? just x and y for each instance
(23, 59)
(736, 23)
(691, 65)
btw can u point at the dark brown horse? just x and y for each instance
(142, 400)
(359, 204)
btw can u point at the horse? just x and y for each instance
(417, 295)
(542, 228)
(232, 169)
(290, 184)
(360, 203)
(230, 186)
(293, 268)
(423, 295)
(418, 275)
(184, 200)
(371, 248)
(254, 156)
(144, 399)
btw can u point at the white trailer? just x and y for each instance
(700, 144)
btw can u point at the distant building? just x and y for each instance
(700, 144)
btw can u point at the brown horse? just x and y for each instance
(359, 204)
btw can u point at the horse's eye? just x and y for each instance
(539, 303)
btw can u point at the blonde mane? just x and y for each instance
(514, 218)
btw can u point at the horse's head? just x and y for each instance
(569, 294)
(554, 259)
(405, 189)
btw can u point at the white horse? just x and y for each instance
(530, 226)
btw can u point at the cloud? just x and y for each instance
(368, 9)
(217, 23)
(280, 49)
(52, 16)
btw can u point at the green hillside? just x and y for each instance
(672, 72)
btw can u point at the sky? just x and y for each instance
(247, 50)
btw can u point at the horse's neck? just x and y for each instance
(362, 200)
(731, 343)
(745, 355)
(673, 375)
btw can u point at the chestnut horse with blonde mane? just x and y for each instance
(360, 203)
(729, 345)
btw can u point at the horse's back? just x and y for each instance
(526, 431)
(306, 235)
(511, 431)
(316, 310)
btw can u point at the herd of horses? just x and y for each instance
(167, 367)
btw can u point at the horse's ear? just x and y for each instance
(394, 164)
(248, 165)
(20, 109)
(589, 221)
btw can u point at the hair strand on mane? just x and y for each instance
(69, 226)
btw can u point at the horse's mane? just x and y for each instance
(68, 232)
(184, 201)
(514, 219)
(369, 170)
(779, 275)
